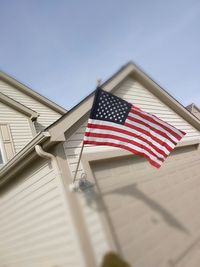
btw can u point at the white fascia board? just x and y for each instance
(18, 106)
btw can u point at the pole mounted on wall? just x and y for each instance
(73, 186)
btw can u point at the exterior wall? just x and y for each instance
(47, 115)
(135, 93)
(35, 227)
(153, 213)
(19, 126)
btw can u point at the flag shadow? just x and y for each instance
(96, 199)
(167, 216)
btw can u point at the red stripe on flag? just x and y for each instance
(162, 143)
(155, 164)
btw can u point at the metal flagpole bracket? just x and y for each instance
(80, 184)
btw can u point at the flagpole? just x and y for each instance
(98, 83)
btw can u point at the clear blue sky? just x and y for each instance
(60, 47)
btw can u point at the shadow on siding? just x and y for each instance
(96, 200)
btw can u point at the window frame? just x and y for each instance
(3, 151)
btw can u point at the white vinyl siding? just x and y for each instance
(18, 124)
(154, 213)
(35, 227)
(46, 115)
(135, 93)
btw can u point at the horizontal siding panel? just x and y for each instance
(36, 231)
(23, 227)
(36, 215)
(53, 254)
(39, 192)
(35, 225)
(29, 179)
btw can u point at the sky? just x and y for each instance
(60, 48)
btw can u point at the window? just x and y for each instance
(6, 144)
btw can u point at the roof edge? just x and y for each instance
(167, 98)
(86, 103)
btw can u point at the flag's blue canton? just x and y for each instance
(108, 107)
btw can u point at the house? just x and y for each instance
(194, 110)
(149, 217)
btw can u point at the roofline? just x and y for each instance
(22, 158)
(85, 105)
(167, 98)
(66, 122)
(28, 91)
(90, 95)
(18, 106)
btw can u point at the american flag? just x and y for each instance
(115, 122)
